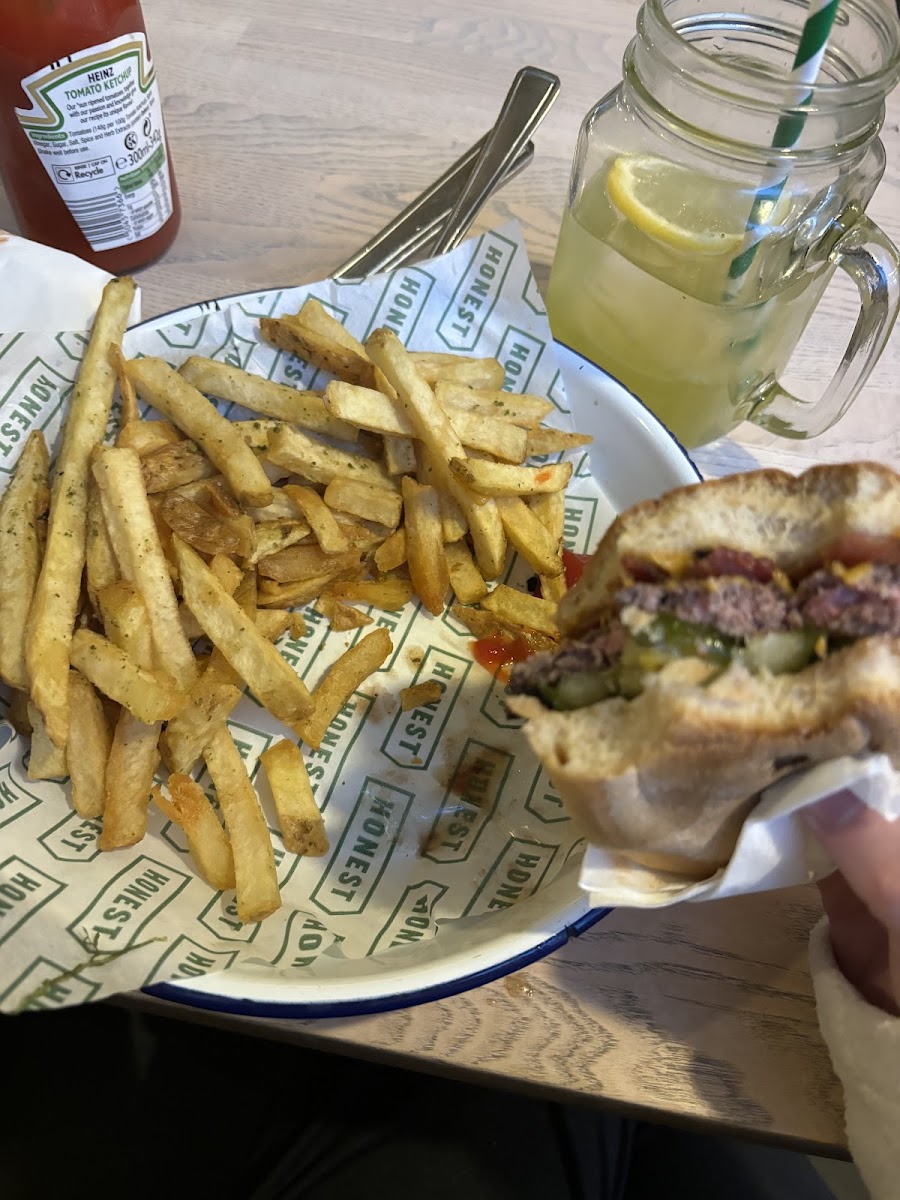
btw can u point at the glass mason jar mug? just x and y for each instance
(711, 200)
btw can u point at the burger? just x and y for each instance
(720, 638)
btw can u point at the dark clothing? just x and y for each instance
(116, 1107)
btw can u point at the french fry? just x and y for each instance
(175, 465)
(272, 536)
(45, 761)
(465, 578)
(256, 433)
(146, 437)
(489, 435)
(304, 591)
(256, 883)
(314, 315)
(477, 429)
(433, 428)
(341, 616)
(129, 412)
(24, 504)
(228, 573)
(320, 463)
(303, 562)
(135, 538)
(302, 825)
(365, 500)
(223, 445)
(207, 841)
(458, 368)
(58, 591)
(263, 396)
(124, 617)
(420, 693)
(550, 510)
(203, 530)
(272, 622)
(399, 455)
(484, 624)
(290, 334)
(529, 536)
(325, 528)
(392, 552)
(132, 763)
(550, 441)
(453, 521)
(102, 566)
(502, 479)
(342, 680)
(525, 410)
(425, 544)
(519, 608)
(91, 734)
(149, 695)
(17, 713)
(389, 594)
(188, 734)
(228, 627)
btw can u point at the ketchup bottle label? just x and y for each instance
(96, 124)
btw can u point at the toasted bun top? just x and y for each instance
(790, 519)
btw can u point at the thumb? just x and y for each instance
(866, 850)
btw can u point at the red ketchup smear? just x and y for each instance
(573, 565)
(497, 654)
(851, 549)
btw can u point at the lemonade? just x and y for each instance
(640, 285)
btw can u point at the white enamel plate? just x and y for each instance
(633, 457)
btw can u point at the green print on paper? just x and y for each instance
(519, 354)
(412, 920)
(493, 706)
(186, 335)
(54, 995)
(532, 296)
(187, 959)
(325, 764)
(469, 802)
(578, 523)
(516, 873)
(402, 302)
(134, 896)
(477, 292)
(15, 799)
(263, 305)
(73, 839)
(305, 937)
(24, 890)
(31, 402)
(220, 917)
(359, 860)
(414, 735)
(556, 393)
(544, 801)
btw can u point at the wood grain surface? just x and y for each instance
(297, 130)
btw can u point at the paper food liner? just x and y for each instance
(433, 814)
(774, 849)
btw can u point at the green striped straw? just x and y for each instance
(808, 59)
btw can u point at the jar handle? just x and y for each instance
(872, 261)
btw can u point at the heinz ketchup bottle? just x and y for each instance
(83, 151)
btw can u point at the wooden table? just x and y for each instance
(298, 129)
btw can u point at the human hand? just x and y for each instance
(862, 898)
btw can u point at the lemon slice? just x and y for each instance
(680, 208)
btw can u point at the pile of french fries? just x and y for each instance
(404, 478)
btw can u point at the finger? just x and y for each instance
(865, 848)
